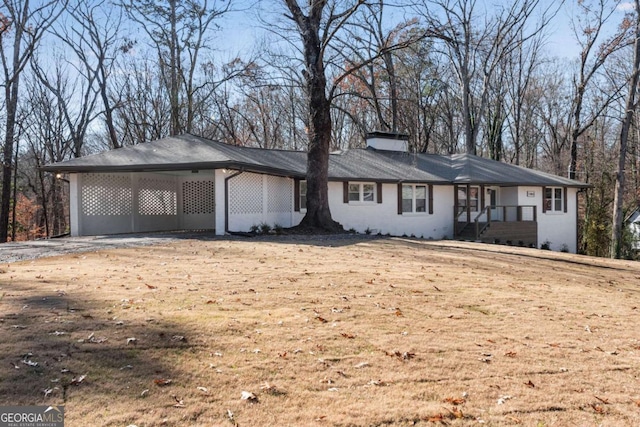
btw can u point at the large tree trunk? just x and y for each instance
(631, 106)
(11, 100)
(318, 214)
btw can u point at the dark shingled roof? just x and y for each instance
(188, 152)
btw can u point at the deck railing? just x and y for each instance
(502, 213)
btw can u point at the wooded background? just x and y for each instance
(80, 77)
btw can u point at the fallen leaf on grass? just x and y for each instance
(455, 413)
(179, 402)
(455, 400)
(322, 319)
(503, 399)
(249, 397)
(605, 401)
(151, 286)
(161, 382)
(132, 341)
(203, 389)
(599, 409)
(530, 384)
(78, 380)
(348, 336)
(398, 312)
(510, 354)
(362, 365)
(438, 418)
(30, 363)
(514, 419)
(407, 355)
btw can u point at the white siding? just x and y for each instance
(558, 228)
(383, 217)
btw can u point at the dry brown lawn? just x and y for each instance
(355, 332)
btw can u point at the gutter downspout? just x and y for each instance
(226, 199)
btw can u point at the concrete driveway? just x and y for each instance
(22, 251)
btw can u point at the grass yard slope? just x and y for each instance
(348, 332)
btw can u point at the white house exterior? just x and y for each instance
(633, 222)
(187, 183)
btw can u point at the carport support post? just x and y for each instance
(75, 204)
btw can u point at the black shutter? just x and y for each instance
(345, 192)
(296, 195)
(430, 199)
(544, 202)
(399, 198)
(379, 191)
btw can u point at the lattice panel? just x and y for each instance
(106, 194)
(157, 196)
(245, 194)
(280, 192)
(198, 197)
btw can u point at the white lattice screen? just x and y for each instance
(106, 194)
(157, 196)
(245, 194)
(280, 192)
(198, 197)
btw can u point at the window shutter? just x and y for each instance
(544, 202)
(345, 192)
(566, 193)
(296, 195)
(430, 199)
(379, 191)
(399, 198)
(482, 199)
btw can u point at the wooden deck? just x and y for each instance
(515, 229)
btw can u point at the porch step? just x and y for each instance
(469, 231)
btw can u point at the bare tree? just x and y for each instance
(317, 26)
(630, 110)
(476, 43)
(21, 28)
(178, 31)
(93, 32)
(589, 29)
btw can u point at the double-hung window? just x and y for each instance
(414, 198)
(362, 192)
(553, 199)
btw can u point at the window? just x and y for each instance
(472, 200)
(303, 194)
(414, 198)
(362, 192)
(553, 199)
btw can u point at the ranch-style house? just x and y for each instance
(191, 183)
